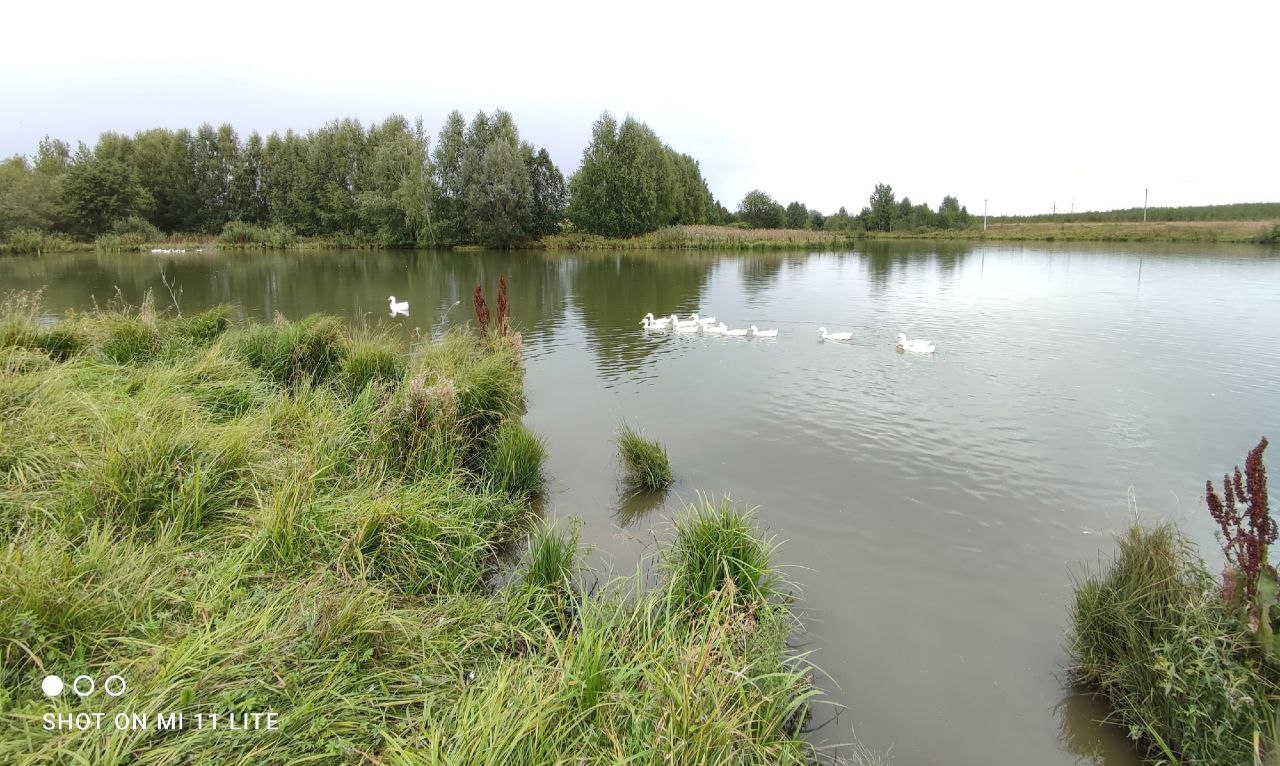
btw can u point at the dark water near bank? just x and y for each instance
(933, 507)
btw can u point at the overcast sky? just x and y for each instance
(1025, 103)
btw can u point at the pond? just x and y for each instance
(931, 510)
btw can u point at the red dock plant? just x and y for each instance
(1245, 534)
(482, 309)
(503, 327)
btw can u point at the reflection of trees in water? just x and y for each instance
(352, 285)
(614, 290)
(884, 257)
(1083, 732)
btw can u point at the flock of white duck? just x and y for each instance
(708, 326)
(705, 325)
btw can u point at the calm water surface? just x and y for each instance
(932, 509)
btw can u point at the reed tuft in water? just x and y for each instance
(644, 461)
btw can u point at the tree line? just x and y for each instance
(884, 212)
(388, 184)
(385, 184)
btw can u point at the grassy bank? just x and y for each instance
(704, 238)
(1261, 232)
(290, 517)
(732, 238)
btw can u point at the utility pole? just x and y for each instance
(1055, 207)
(984, 214)
(1145, 192)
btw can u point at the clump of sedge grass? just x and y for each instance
(292, 353)
(717, 551)
(513, 462)
(204, 327)
(551, 559)
(370, 359)
(130, 340)
(643, 460)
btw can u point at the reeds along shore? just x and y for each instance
(295, 518)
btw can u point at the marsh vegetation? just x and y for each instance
(295, 517)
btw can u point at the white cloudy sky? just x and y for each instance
(1025, 103)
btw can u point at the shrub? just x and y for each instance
(241, 233)
(280, 237)
(1153, 636)
(34, 241)
(644, 460)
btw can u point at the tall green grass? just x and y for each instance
(513, 460)
(243, 518)
(1153, 635)
(644, 461)
(717, 552)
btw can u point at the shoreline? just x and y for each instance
(708, 237)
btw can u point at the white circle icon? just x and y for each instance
(106, 686)
(75, 686)
(52, 686)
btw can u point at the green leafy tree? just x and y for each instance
(450, 205)
(842, 221)
(759, 211)
(30, 193)
(284, 168)
(883, 209)
(548, 193)
(399, 185)
(499, 196)
(96, 192)
(816, 219)
(951, 215)
(248, 198)
(797, 216)
(630, 183)
(593, 196)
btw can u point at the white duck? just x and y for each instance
(704, 321)
(757, 332)
(689, 326)
(716, 329)
(915, 345)
(822, 332)
(735, 333)
(655, 324)
(398, 307)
